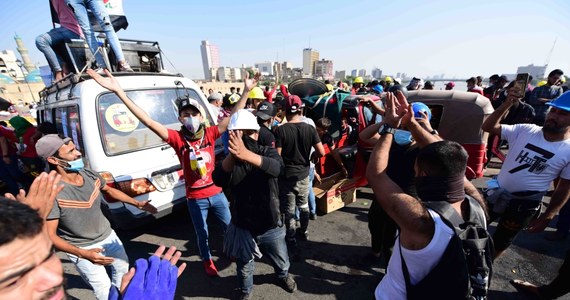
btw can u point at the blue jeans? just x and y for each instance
(96, 275)
(79, 8)
(198, 209)
(312, 199)
(293, 194)
(272, 244)
(47, 41)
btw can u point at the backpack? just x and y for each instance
(466, 267)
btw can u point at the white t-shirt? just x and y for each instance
(419, 262)
(532, 162)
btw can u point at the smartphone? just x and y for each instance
(521, 82)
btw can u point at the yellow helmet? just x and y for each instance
(388, 79)
(256, 93)
(358, 80)
(541, 83)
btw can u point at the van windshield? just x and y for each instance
(122, 132)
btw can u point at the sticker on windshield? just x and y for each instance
(120, 118)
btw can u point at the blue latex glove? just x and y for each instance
(153, 279)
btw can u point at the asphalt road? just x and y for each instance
(333, 264)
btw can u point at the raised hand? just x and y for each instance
(155, 278)
(250, 83)
(109, 83)
(237, 148)
(42, 193)
(396, 109)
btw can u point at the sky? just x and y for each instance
(419, 38)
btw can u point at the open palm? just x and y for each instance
(109, 82)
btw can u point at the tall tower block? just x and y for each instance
(24, 53)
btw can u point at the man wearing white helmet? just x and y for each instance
(252, 172)
(537, 156)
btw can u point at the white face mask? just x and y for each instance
(192, 124)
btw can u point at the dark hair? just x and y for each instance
(47, 128)
(17, 220)
(443, 158)
(555, 72)
(327, 81)
(323, 123)
(2, 123)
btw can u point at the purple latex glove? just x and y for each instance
(153, 279)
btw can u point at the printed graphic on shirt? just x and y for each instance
(535, 159)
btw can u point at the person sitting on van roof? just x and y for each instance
(47, 42)
(194, 144)
(76, 225)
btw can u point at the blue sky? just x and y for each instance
(420, 38)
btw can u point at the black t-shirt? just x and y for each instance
(266, 137)
(296, 140)
(327, 139)
(401, 167)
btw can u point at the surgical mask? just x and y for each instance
(74, 165)
(192, 124)
(403, 137)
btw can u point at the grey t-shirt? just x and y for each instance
(78, 208)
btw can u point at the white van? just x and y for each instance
(114, 142)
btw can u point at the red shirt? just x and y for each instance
(196, 186)
(30, 151)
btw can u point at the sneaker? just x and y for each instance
(313, 216)
(124, 66)
(288, 283)
(245, 296)
(210, 268)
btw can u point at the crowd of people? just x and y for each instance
(423, 202)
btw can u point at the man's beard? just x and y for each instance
(552, 127)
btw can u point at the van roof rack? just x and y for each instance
(73, 79)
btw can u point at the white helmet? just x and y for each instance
(243, 120)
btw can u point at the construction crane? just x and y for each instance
(550, 54)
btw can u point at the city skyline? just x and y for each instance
(417, 38)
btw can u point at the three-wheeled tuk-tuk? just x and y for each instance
(458, 116)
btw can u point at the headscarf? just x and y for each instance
(20, 125)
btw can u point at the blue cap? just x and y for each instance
(418, 107)
(562, 102)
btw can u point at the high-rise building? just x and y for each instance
(265, 68)
(353, 73)
(376, 73)
(28, 65)
(362, 72)
(210, 59)
(310, 56)
(324, 68)
(340, 75)
(537, 72)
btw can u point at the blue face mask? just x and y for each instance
(74, 165)
(403, 137)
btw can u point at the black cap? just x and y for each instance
(265, 110)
